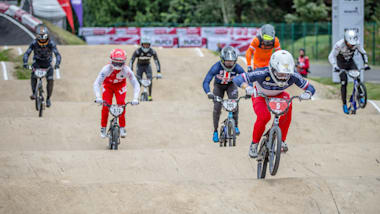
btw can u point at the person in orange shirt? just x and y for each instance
(262, 47)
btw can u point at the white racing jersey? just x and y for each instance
(342, 52)
(109, 76)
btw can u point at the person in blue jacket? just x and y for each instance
(272, 81)
(223, 71)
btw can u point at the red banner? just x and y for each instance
(66, 6)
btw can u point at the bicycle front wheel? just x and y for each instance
(362, 93)
(275, 150)
(262, 160)
(231, 132)
(40, 103)
(115, 138)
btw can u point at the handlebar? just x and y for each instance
(219, 99)
(104, 103)
(288, 102)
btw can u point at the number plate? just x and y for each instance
(40, 73)
(116, 110)
(278, 105)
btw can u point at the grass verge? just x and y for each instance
(20, 72)
(64, 37)
(373, 89)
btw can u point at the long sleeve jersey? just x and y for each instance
(342, 53)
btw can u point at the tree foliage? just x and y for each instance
(110, 12)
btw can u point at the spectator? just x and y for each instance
(303, 64)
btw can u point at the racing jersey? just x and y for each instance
(342, 53)
(266, 85)
(42, 54)
(261, 53)
(221, 76)
(109, 76)
(144, 58)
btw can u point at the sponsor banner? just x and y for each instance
(243, 32)
(128, 31)
(191, 41)
(166, 41)
(154, 31)
(77, 5)
(124, 39)
(92, 31)
(196, 31)
(347, 14)
(3, 7)
(98, 40)
(66, 6)
(215, 32)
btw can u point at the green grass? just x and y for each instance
(64, 37)
(20, 72)
(373, 89)
(315, 49)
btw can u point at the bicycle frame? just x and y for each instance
(355, 89)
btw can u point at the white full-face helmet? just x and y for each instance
(145, 44)
(281, 67)
(351, 38)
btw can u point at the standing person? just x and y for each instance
(272, 81)
(223, 71)
(144, 53)
(303, 64)
(113, 79)
(43, 49)
(262, 47)
(341, 57)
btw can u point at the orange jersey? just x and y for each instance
(261, 56)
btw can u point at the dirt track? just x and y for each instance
(167, 163)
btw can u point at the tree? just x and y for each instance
(308, 11)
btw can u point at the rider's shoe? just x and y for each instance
(33, 97)
(345, 109)
(237, 131)
(215, 137)
(123, 132)
(253, 150)
(284, 146)
(48, 103)
(150, 98)
(103, 132)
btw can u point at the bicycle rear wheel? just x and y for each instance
(363, 94)
(275, 151)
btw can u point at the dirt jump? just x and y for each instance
(168, 162)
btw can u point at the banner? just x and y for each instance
(77, 5)
(154, 31)
(166, 41)
(65, 4)
(191, 41)
(348, 14)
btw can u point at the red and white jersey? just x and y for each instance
(109, 76)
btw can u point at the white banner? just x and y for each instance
(167, 41)
(191, 41)
(348, 14)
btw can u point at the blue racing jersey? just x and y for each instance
(266, 85)
(221, 76)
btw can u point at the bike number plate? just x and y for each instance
(278, 105)
(116, 110)
(40, 73)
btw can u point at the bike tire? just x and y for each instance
(41, 105)
(364, 91)
(262, 164)
(275, 156)
(115, 137)
(231, 132)
(144, 97)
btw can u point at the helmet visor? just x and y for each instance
(146, 45)
(281, 76)
(267, 40)
(229, 63)
(117, 64)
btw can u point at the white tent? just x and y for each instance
(50, 10)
